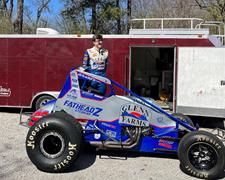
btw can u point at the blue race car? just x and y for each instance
(129, 122)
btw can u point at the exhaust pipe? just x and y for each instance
(128, 144)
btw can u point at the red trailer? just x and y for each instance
(33, 67)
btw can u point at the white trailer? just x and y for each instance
(201, 81)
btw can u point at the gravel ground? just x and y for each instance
(15, 164)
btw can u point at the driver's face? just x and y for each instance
(98, 43)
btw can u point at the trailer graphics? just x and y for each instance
(5, 92)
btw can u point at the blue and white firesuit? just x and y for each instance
(95, 61)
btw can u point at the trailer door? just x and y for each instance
(201, 81)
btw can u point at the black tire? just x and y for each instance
(202, 155)
(41, 100)
(183, 118)
(53, 143)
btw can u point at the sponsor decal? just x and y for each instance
(73, 74)
(108, 125)
(111, 133)
(87, 77)
(166, 143)
(139, 101)
(83, 109)
(97, 136)
(159, 119)
(38, 114)
(5, 92)
(132, 114)
(72, 94)
(90, 127)
(74, 85)
(74, 80)
(73, 91)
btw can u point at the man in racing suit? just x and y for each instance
(95, 61)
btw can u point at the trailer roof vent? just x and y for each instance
(46, 31)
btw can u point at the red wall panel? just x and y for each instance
(32, 65)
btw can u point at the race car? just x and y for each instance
(80, 115)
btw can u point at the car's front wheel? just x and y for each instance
(53, 143)
(202, 155)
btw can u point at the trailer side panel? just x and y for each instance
(201, 81)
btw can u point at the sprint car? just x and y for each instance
(130, 122)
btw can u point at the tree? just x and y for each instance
(18, 23)
(10, 9)
(128, 15)
(73, 17)
(108, 17)
(94, 16)
(215, 8)
(42, 5)
(3, 5)
(118, 19)
(166, 9)
(6, 25)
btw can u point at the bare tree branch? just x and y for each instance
(128, 15)
(42, 7)
(10, 9)
(18, 23)
(4, 5)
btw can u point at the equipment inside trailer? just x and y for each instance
(152, 72)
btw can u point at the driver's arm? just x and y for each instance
(86, 60)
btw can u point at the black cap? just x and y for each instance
(97, 36)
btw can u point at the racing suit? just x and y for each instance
(95, 61)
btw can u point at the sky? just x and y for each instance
(55, 7)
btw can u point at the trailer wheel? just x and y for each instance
(202, 155)
(183, 118)
(42, 100)
(54, 142)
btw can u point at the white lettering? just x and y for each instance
(72, 146)
(30, 143)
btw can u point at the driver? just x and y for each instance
(95, 61)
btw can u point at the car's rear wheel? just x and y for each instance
(202, 155)
(183, 118)
(53, 143)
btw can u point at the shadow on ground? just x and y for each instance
(89, 155)
(88, 158)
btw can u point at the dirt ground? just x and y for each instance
(104, 165)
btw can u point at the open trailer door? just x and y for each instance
(201, 81)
